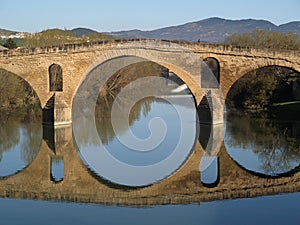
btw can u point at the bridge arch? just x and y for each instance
(242, 71)
(55, 78)
(256, 68)
(184, 63)
(213, 65)
(285, 93)
(9, 73)
(21, 136)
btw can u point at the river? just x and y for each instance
(263, 149)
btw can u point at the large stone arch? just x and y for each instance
(251, 70)
(256, 64)
(184, 63)
(36, 77)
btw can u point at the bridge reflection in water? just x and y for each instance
(58, 173)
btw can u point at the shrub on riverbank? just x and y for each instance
(258, 90)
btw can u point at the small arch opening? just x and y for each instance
(204, 112)
(55, 78)
(210, 66)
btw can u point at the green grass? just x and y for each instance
(288, 106)
(286, 103)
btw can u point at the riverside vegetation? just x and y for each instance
(265, 89)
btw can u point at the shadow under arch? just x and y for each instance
(22, 128)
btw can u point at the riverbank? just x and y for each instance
(283, 111)
(288, 110)
(292, 105)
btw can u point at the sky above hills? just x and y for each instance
(37, 15)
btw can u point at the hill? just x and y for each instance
(209, 30)
(4, 32)
(79, 32)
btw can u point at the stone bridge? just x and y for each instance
(182, 187)
(61, 70)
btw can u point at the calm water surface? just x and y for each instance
(19, 145)
(263, 146)
(260, 146)
(279, 209)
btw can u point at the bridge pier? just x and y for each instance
(211, 108)
(56, 111)
(57, 138)
(209, 162)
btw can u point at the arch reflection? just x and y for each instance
(263, 146)
(19, 144)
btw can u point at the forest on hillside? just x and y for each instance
(53, 37)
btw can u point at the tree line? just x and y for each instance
(57, 37)
(265, 39)
(53, 37)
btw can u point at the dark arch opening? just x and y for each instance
(210, 65)
(55, 78)
(204, 112)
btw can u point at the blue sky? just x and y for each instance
(115, 15)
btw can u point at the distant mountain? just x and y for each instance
(209, 30)
(290, 27)
(79, 32)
